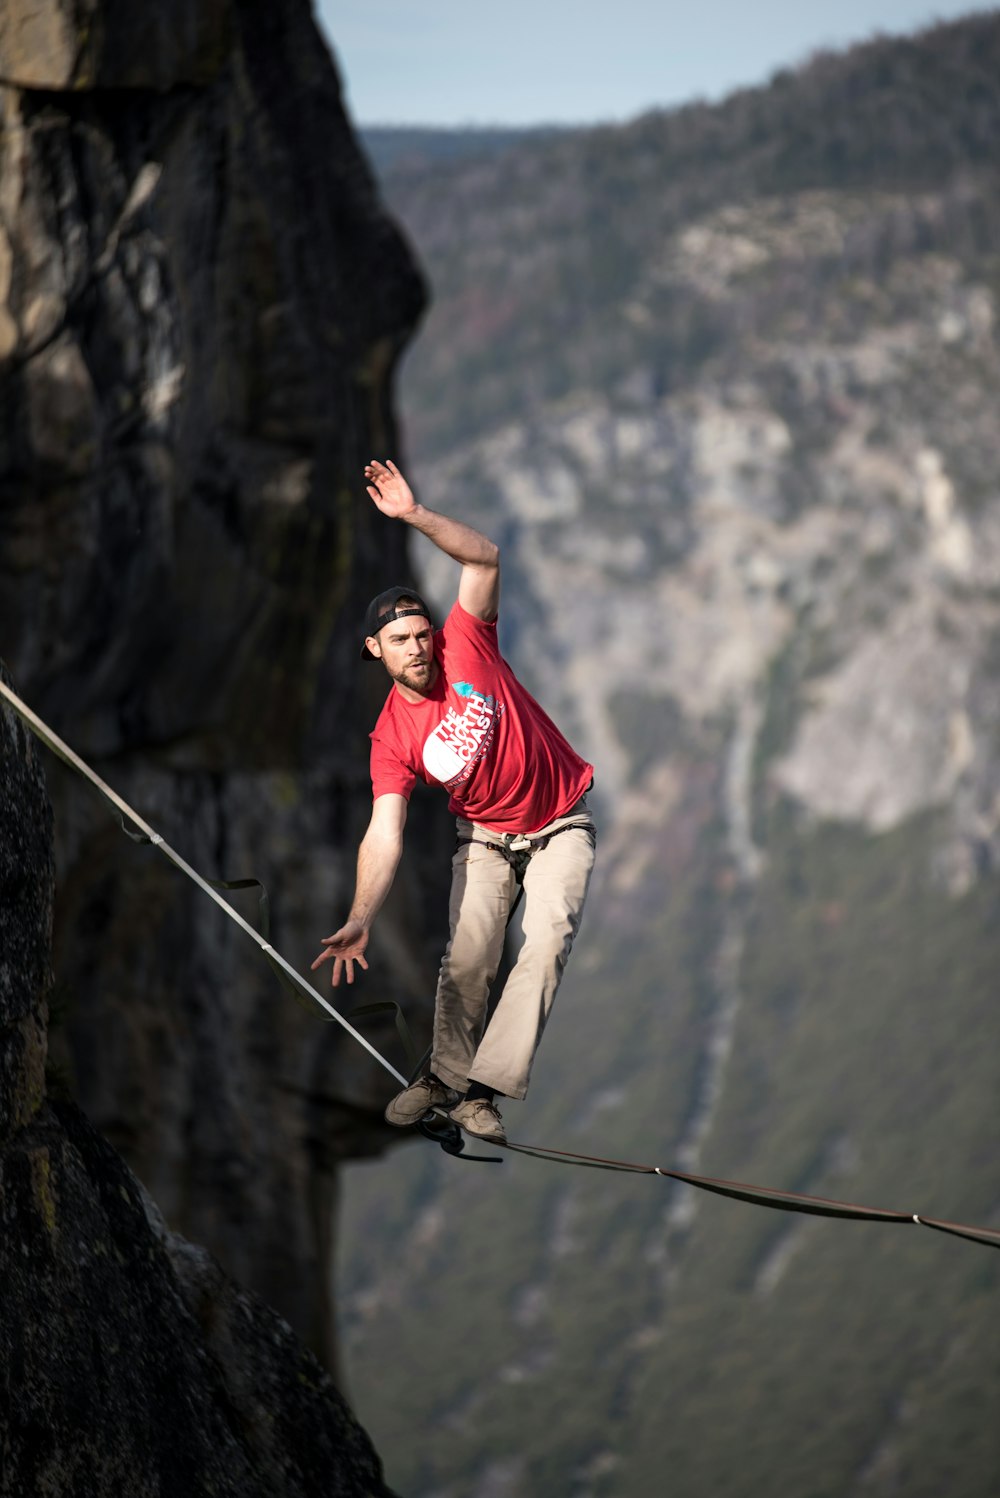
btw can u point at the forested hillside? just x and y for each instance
(723, 383)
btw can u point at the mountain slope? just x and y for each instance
(723, 385)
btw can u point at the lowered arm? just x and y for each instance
(378, 860)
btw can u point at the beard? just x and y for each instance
(419, 678)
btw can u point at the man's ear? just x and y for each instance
(374, 647)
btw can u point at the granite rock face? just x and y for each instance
(104, 44)
(132, 1364)
(202, 302)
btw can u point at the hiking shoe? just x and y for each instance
(409, 1107)
(480, 1118)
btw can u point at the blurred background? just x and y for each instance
(721, 377)
(450, 64)
(696, 315)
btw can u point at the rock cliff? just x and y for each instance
(132, 1363)
(202, 303)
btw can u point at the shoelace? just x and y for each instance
(491, 1108)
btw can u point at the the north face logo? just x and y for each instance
(460, 740)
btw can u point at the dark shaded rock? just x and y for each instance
(130, 1363)
(26, 877)
(206, 302)
(202, 302)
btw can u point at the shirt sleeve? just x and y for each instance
(478, 635)
(390, 776)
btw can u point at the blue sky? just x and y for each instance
(520, 62)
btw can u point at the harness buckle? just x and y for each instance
(517, 842)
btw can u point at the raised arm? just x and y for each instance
(479, 557)
(378, 859)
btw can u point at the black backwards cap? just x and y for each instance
(382, 611)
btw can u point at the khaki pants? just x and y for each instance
(483, 889)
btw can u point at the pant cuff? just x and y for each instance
(449, 1077)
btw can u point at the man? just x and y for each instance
(456, 716)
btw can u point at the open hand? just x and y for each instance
(345, 947)
(388, 488)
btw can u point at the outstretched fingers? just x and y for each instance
(342, 965)
(344, 948)
(389, 489)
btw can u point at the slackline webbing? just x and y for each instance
(448, 1134)
(52, 741)
(766, 1196)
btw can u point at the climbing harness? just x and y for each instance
(438, 1126)
(518, 849)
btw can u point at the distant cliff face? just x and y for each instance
(723, 384)
(132, 1364)
(730, 382)
(201, 306)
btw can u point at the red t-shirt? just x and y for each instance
(480, 735)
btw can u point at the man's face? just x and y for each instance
(406, 649)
